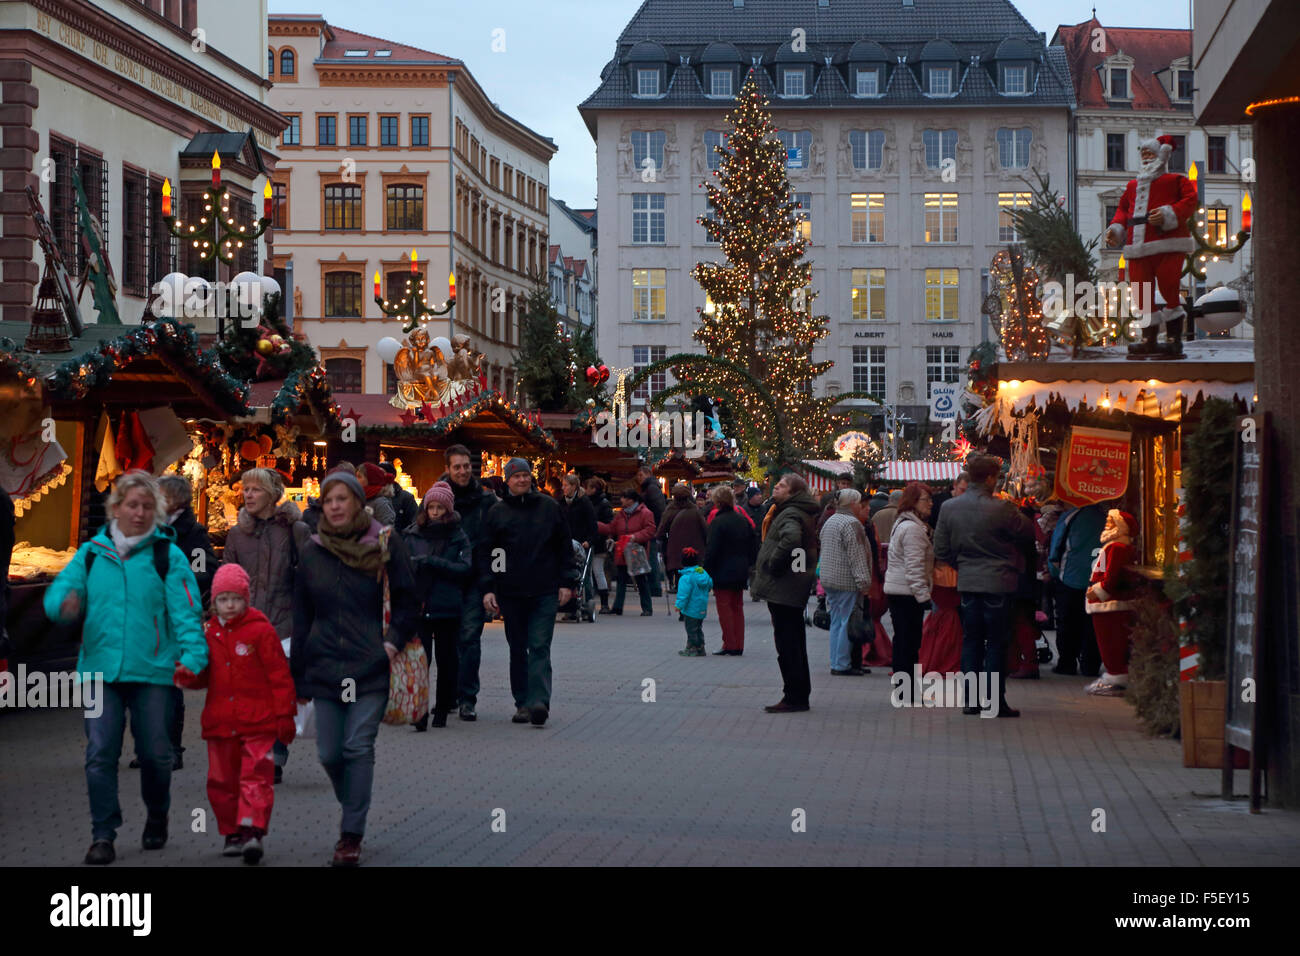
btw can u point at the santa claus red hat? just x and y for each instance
(1128, 524)
(1162, 145)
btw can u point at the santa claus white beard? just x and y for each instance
(1153, 169)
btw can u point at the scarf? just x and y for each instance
(767, 521)
(124, 544)
(353, 544)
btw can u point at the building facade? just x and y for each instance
(395, 162)
(1131, 85)
(128, 95)
(905, 152)
(573, 264)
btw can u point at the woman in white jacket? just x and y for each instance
(909, 574)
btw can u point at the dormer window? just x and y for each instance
(1015, 79)
(1184, 84)
(940, 81)
(1118, 83)
(647, 82)
(721, 82)
(794, 82)
(866, 81)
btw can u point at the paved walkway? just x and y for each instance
(701, 776)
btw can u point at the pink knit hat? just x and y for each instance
(230, 578)
(441, 493)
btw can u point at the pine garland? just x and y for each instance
(1153, 675)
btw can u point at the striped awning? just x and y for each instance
(819, 482)
(922, 470)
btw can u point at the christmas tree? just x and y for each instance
(758, 330)
(552, 361)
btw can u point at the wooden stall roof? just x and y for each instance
(304, 399)
(490, 422)
(579, 451)
(169, 371)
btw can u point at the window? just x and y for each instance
(135, 233)
(94, 182)
(647, 82)
(941, 295)
(940, 81)
(357, 130)
(643, 355)
(161, 243)
(866, 82)
(942, 364)
(794, 81)
(270, 63)
(1015, 79)
(342, 206)
(1178, 158)
(292, 135)
(279, 206)
(286, 62)
(327, 130)
(343, 295)
(868, 294)
(1217, 157)
(404, 207)
(647, 144)
(869, 369)
(395, 283)
(246, 255)
(1216, 224)
(720, 82)
(1109, 213)
(419, 131)
(388, 131)
(1185, 84)
(1013, 146)
(1008, 202)
(803, 216)
(1115, 149)
(867, 148)
(649, 295)
(648, 217)
(940, 217)
(713, 143)
(797, 144)
(344, 375)
(1118, 83)
(867, 212)
(940, 144)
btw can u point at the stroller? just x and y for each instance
(583, 604)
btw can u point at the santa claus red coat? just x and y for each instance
(1112, 596)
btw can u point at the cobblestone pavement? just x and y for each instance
(700, 776)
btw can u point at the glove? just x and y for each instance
(286, 730)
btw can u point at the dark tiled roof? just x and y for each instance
(761, 30)
(240, 146)
(1151, 50)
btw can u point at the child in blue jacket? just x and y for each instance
(693, 587)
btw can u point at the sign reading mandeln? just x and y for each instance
(1093, 466)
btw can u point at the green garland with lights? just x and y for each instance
(479, 404)
(306, 384)
(22, 366)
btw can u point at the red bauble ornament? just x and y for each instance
(593, 375)
(604, 373)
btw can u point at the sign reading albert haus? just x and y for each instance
(1094, 466)
(130, 69)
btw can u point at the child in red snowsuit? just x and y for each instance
(1110, 600)
(250, 705)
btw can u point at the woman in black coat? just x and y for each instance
(441, 557)
(341, 650)
(729, 553)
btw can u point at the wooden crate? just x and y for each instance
(1201, 706)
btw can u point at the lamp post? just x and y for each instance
(218, 238)
(414, 307)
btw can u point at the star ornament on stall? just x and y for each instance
(354, 415)
(407, 417)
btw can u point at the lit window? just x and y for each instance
(1216, 224)
(868, 294)
(940, 217)
(803, 216)
(649, 295)
(941, 295)
(343, 295)
(648, 218)
(1007, 203)
(342, 206)
(404, 207)
(867, 211)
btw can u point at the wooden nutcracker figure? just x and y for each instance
(1110, 600)
(1153, 222)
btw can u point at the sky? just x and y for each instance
(554, 52)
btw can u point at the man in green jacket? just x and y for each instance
(142, 627)
(784, 576)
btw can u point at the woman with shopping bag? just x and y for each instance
(631, 530)
(355, 606)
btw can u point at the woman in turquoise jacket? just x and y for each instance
(142, 627)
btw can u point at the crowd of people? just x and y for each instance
(313, 605)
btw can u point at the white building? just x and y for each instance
(573, 264)
(905, 151)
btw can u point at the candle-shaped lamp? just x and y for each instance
(216, 168)
(414, 265)
(167, 197)
(266, 200)
(376, 283)
(451, 286)
(1245, 213)
(1121, 267)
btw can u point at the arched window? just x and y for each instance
(286, 62)
(270, 62)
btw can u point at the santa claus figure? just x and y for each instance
(1110, 600)
(1153, 223)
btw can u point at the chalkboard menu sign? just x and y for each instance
(1246, 596)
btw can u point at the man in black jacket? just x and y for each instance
(473, 501)
(526, 571)
(653, 497)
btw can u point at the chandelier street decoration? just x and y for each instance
(216, 236)
(1208, 247)
(414, 306)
